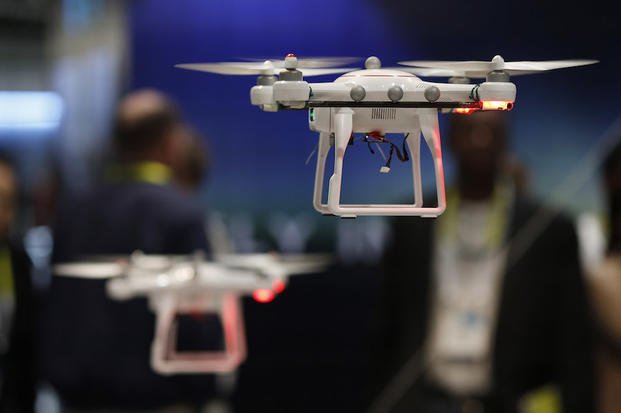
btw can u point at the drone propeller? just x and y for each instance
(309, 67)
(471, 74)
(307, 62)
(289, 264)
(480, 69)
(90, 270)
(248, 68)
(106, 267)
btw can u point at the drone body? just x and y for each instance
(377, 101)
(394, 102)
(178, 285)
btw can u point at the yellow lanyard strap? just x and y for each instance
(6, 274)
(149, 172)
(498, 219)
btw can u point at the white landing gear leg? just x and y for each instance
(165, 359)
(431, 132)
(343, 128)
(322, 155)
(413, 142)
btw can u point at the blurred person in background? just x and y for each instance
(138, 206)
(96, 351)
(17, 361)
(605, 287)
(481, 311)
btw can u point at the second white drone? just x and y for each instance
(191, 285)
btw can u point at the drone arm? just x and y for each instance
(453, 92)
(329, 91)
(292, 94)
(263, 96)
(496, 91)
(486, 91)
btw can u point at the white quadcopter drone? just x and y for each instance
(374, 102)
(190, 285)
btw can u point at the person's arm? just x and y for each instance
(20, 375)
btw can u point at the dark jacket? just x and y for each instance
(542, 333)
(96, 350)
(19, 366)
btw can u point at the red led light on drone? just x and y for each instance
(278, 286)
(496, 105)
(263, 295)
(485, 105)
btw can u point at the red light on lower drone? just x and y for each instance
(278, 286)
(497, 105)
(263, 295)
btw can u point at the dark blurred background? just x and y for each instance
(64, 65)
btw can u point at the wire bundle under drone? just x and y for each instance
(379, 138)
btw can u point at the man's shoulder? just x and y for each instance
(135, 204)
(165, 198)
(153, 218)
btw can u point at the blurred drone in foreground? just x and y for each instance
(375, 102)
(178, 285)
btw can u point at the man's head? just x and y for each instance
(8, 196)
(478, 143)
(147, 127)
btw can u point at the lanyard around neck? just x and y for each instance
(497, 222)
(6, 274)
(148, 172)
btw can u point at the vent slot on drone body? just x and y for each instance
(383, 113)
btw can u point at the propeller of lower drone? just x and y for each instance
(276, 263)
(90, 270)
(480, 69)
